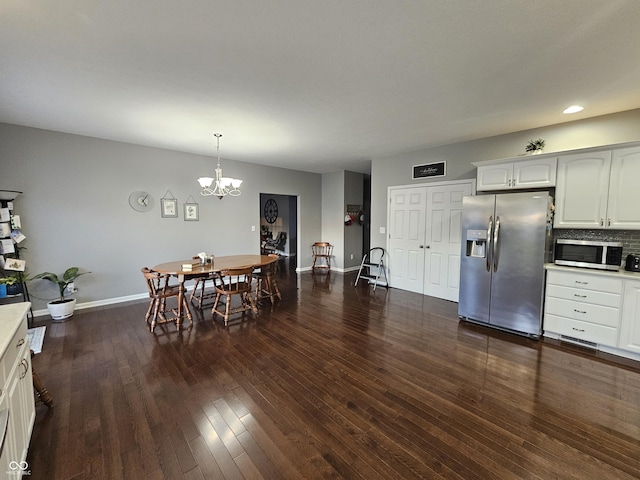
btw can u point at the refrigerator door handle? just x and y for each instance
(496, 246)
(488, 246)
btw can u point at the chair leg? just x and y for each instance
(185, 308)
(274, 286)
(43, 394)
(227, 309)
(249, 298)
(156, 312)
(151, 305)
(258, 289)
(215, 305)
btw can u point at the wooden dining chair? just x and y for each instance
(321, 251)
(159, 291)
(266, 285)
(234, 281)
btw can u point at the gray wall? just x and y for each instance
(340, 189)
(397, 170)
(75, 209)
(353, 195)
(332, 214)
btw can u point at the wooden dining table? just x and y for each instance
(198, 269)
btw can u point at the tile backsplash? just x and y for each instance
(630, 238)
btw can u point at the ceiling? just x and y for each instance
(314, 85)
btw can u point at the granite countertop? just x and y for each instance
(11, 316)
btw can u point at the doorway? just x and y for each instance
(279, 224)
(424, 237)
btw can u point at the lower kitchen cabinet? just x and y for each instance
(630, 324)
(599, 309)
(16, 384)
(583, 306)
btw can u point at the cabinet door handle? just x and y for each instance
(577, 329)
(582, 283)
(25, 364)
(579, 296)
(578, 311)
(602, 222)
(609, 222)
(20, 343)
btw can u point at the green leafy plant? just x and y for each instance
(69, 276)
(534, 145)
(8, 280)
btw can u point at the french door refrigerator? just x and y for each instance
(506, 240)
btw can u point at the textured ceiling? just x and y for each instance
(313, 85)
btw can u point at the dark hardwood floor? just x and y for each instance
(333, 382)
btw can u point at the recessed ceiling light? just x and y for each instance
(573, 109)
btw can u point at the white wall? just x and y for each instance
(397, 170)
(75, 209)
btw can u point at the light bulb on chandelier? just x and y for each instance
(222, 186)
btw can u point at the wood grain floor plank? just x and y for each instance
(333, 381)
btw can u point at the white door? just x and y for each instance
(424, 238)
(407, 208)
(442, 240)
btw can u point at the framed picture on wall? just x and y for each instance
(191, 212)
(169, 208)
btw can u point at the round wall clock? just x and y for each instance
(141, 201)
(270, 210)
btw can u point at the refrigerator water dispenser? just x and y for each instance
(477, 243)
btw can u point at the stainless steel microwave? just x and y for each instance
(588, 254)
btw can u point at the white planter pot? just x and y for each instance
(60, 310)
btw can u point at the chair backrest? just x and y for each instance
(235, 280)
(154, 281)
(322, 249)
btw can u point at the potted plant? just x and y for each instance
(535, 146)
(12, 286)
(63, 307)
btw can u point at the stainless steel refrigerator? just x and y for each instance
(506, 240)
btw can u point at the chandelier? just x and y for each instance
(219, 186)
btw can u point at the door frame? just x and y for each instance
(471, 181)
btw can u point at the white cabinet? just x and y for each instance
(538, 173)
(583, 306)
(17, 386)
(598, 190)
(624, 192)
(630, 323)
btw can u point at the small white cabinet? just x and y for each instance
(17, 395)
(537, 173)
(630, 323)
(598, 190)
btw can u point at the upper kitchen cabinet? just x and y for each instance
(538, 173)
(598, 190)
(624, 194)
